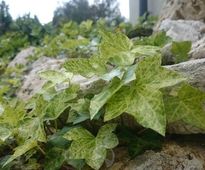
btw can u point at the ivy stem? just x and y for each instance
(42, 151)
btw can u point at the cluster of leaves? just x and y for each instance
(77, 40)
(64, 125)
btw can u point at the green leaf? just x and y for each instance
(13, 114)
(158, 39)
(114, 44)
(5, 133)
(118, 103)
(146, 50)
(116, 47)
(22, 149)
(54, 159)
(86, 67)
(148, 109)
(139, 143)
(187, 105)
(93, 149)
(79, 111)
(57, 140)
(152, 75)
(55, 76)
(100, 99)
(142, 98)
(181, 50)
(59, 103)
(32, 128)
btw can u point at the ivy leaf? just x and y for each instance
(5, 133)
(187, 106)
(86, 67)
(158, 39)
(55, 76)
(59, 103)
(142, 98)
(79, 111)
(118, 103)
(100, 99)
(116, 47)
(146, 50)
(114, 44)
(32, 128)
(148, 110)
(93, 149)
(22, 149)
(181, 50)
(152, 75)
(12, 115)
(54, 159)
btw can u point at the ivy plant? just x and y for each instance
(67, 125)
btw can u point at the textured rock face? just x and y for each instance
(182, 30)
(22, 57)
(194, 70)
(172, 157)
(183, 9)
(198, 49)
(32, 83)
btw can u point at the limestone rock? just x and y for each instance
(32, 83)
(171, 157)
(198, 49)
(22, 57)
(182, 9)
(194, 70)
(183, 30)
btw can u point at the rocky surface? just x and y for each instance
(32, 83)
(182, 9)
(198, 49)
(184, 30)
(173, 156)
(22, 57)
(194, 70)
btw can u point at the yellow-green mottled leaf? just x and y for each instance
(100, 99)
(86, 67)
(117, 48)
(187, 105)
(32, 128)
(60, 102)
(20, 150)
(142, 98)
(5, 132)
(92, 149)
(55, 76)
(146, 50)
(181, 50)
